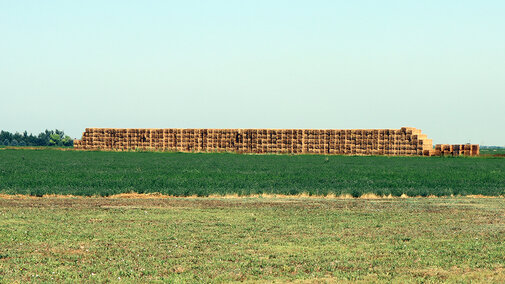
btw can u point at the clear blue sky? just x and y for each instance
(435, 65)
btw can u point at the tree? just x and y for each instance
(14, 142)
(55, 140)
(22, 143)
(47, 138)
(44, 138)
(17, 136)
(67, 141)
(5, 135)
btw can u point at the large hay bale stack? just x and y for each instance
(407, 141)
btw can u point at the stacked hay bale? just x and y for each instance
(405, 141)
(457, 150)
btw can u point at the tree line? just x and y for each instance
(46, 138)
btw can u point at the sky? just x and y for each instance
(434, 65)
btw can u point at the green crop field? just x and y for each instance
(41, 172)
(416, 240)
(491, 152)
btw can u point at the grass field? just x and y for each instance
(491, 152)
(248, 239)
(40, 172)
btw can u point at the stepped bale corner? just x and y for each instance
(406, 141)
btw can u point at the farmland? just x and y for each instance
(42, 172)
(491, 152)
(102, 239)
(210, 234)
